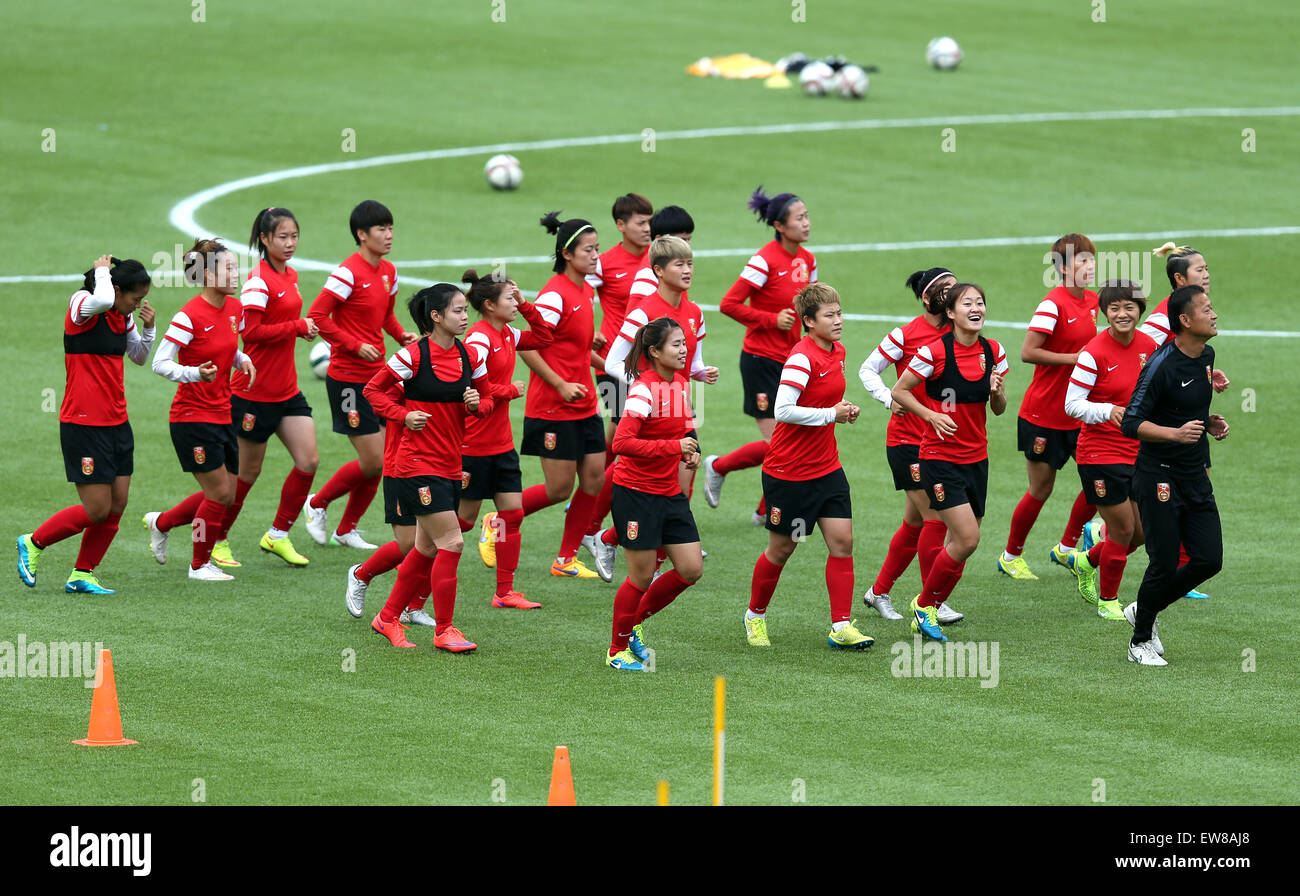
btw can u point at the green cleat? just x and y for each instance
(280, 547)
(756, 631)
(1017, 568)
(625, 661)
(28, 556)
(222, 556)
(1085, 574)
(1058, 556)
(1110, 609)
(85, 583)
(849, 638)
(636, 643)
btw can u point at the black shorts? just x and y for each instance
(760, 377)
(905, 464)
(1048, 446)
(257, 421)
(645, 522)
(952, 485)
(793, 508)
(96, 454)
(485, 477)
(202, 447)
(353, 415)
(613, 392)
(1106, 484)
(393, 515)
(422, 495)
(563, 439)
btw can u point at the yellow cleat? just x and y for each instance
(487, 541)
(282, 548)
(573, 569)
(756, 632)
(849, 637)
(222, 557)
(1017, 568)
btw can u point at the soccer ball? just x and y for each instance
(503, 172)
(816, 78)
(852, 82)
(943, 53)
(319, 359)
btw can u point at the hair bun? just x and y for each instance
(551, 221)
(1163, 251)
(470, 276)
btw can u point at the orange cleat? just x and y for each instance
(514, 600)
(453, 641)
(395, 632)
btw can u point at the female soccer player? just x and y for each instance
(651, 510)
(353, 312)
(803, 481)
(273, 323)
(768, 283)
(1065, 321)
(922, 533)
(962, 371)
(491, 464)
(1100, 388)
(561, 422)
(199, 346)
(98, 445)
(431, 385)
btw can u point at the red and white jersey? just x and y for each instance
(1157, 323)
(970, 443)
(1105, 377)
(687, 314)
(615, 271)
(899, 347)
(648, 441)
(202, 333)
(94, 344)
(495, 349)
(800, 452)
(1069, 324)
(567, 308)
(769, 283)
(272, 308)
(355, 307)
(392, 441)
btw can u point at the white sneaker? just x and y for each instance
(356, 593)
(157, 538)
(602, 554)
(417, 617)
(881, 604)
(758, 519)
(208, 572)
(353, 540)
(315, 521)
(1145, 654)
(1130, 613)
(947, 615)
(712, 481)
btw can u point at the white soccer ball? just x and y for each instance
(852, 82)
(503, 172)
(943, 53)
(816, 78)
(319, 359)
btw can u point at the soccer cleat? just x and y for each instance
(1196, 595)
(625, 661)
(515, 601)
(712, 482)
(282, 548)
(601, 554)
(453, 641)
(757, 519)
(418, 616)
(28, 556)
(1145, 654)
(85, 583)
(881, 604)
(1085, 574)
(947, 615)
(636, 643)
(356, 593)
(487, 541)
(925, 621)
(395, 632)
(314, 519)
(353, 539)
(849, 638)
(157, 538)
(1058, 556)
(573, 569)
(1109, 609)
(222, 557)
(209, 573)
(1091, 534)
(1130, 613)
(756, 631)
(1017, 568)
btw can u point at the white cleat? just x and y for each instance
(209, 572)
(881, 604)
(356, 593)
(712, 481)
(1145, 654)
(157, 538)
(317, 528)
(602, 554)
(1130, 613)
(947, 615)
(758, 519)
(417, 617)
(353, 540)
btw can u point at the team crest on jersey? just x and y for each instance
(1142, 360)
(250, 421)
(234, 325)
(692, 323)
(1093, 313)
(200, 454)
(762, 401)
(354, 419)
(799, 271)
(426, 497)
(1040, 444)
(387, 285)
(1099, 486)
(842, 368)
(1209, 374)
(549, 441)
(938, 491)
(1162, 491)
(916, 472)
(464, 478)
(633, 527)
(87, 466)
(775, 516)
(984, 363)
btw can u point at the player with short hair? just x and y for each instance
(94, 432)
(612, 280)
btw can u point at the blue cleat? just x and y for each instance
(1091, 534)
(925, 622)
(625, 661)
(28, 555)
(85, 583)
(1196, 595)
(637, 645)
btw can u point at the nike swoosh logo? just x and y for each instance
(205, 329)
(620, 276)
(1070, 320)
(279, 295)
(823, 373)
(365, 285)
(1109, 369)
(496, 348)
(576, 308)
(1189, 381)
(782, 273)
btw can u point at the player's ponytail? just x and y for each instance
(926, 285)
(430, 301)
(127, 275)
(481, 289)
(771, 210)
(264, 225)
(1178, 259)
(653, 335)
(565, 233)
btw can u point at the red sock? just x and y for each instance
(535, 498)
(839, 585)
(763, 583)
(1113, 558)
(744, 457)
(348, 477)
(64, 524)
(1094, 554)
(1021, 522)
(943, 577)
(928, 546)
(1182, 556)
(575, 523)
(626, 602)
(95, 542)
(465, 525)
(508, 549)
(902, 548)
(690, 486)
(293, 494)
(385, 557)
(761, 509)
(207, 526)
(609, 536)
(358, 501)
(181, 515)
(1080, 513)
(232, 512)
(412, 581)
(661, 593)
(601, 509)
(443, 579)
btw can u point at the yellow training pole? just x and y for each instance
(663, 794)
(719, 736)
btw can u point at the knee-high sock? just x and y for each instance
(1095, 552)
(508, 550)
(465, 525)
(95, 541)
(575, 523)
(902, 548)
(601, 508)
(64, 524)
(385, 557)
(293, 494)
(839, 585)
(443, 579)
(412, 580)
(1080, 513)
(181, 515)
(943, 577)
(661, 593)
(748, 455)
(626, 602)
(609, 536)
(763, 583)
(1111, 569)
(344, 480)
(232, 511)
(206, 531)
(1026, 514)
(928, 546)
(535, 498)
(1183, 556)
(358, 501)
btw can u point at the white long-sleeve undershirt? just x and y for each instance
(788, 409)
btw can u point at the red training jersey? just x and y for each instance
(204, 333)
(648, 441)
(970, 443)
(769, 283)
(567, 308)
(355, 307)
(1108, 372)
(799, 452)
(900, 346)
(273, 320)
(1157, 323)
(1069, 324)
(687, 314)
(95, 390)
(615, 272)
(486, 436)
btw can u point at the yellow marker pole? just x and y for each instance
(719, 736)
(663, 794)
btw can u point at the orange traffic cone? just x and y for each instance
(105, 717)
(561, 793)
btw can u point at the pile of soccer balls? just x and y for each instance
(834, 74)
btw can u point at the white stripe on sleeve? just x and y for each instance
(181, 331)
(796, 371)
(254, 294)
(551, 306)
(1045, 316)
(923, 363)
(402, 365)
(638, 401)
(340, 282)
